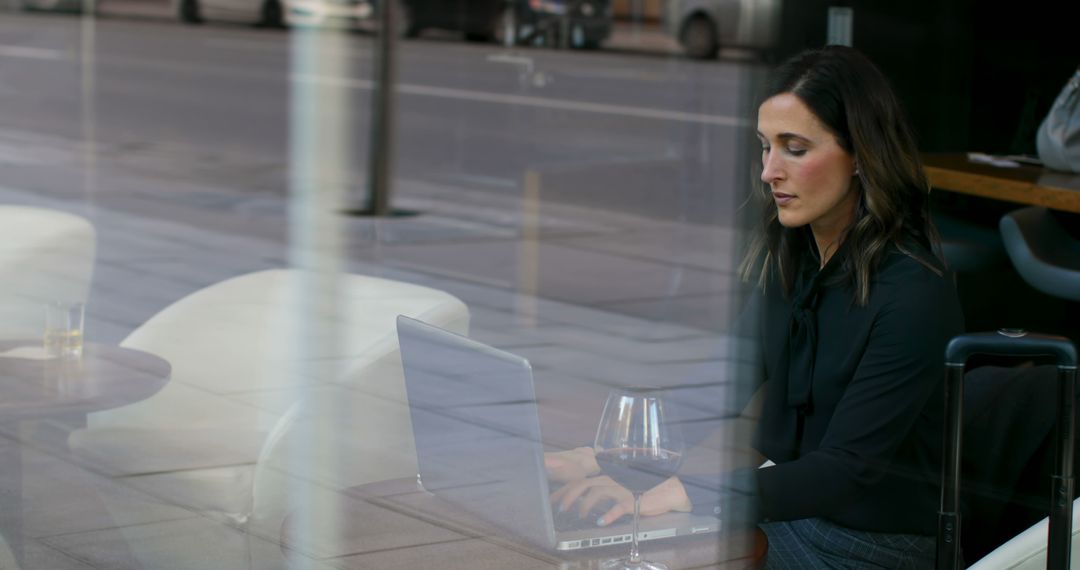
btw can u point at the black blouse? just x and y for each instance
(853, 408)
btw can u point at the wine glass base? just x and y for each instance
(626, 564)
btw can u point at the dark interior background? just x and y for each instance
(972, 75)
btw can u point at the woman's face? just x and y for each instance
(809, 173)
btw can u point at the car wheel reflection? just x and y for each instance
(272, 14)
(699, 38)
(189, 12)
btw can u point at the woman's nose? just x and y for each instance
(770, 170)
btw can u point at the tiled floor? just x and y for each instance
(593, 299)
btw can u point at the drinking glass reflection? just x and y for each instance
(639, 448)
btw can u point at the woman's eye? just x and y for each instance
(796, 151)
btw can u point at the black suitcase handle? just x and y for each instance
(1010, 342)
(1018, 343)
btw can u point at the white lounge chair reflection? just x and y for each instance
(234, 376)
(1027, 550)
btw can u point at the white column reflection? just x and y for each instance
(320, 152)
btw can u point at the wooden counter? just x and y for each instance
(1031, 185)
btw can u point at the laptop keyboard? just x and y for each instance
(570, 521)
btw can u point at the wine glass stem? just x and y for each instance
(635, 556)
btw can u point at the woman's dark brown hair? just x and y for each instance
(851, 97)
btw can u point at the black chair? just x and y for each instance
(1042, 252)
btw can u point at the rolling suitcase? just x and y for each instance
(1013, 343)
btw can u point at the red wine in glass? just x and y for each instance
(638, 468)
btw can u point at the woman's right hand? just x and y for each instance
(587, 493)
(564, 466)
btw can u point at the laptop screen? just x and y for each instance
(477, 430)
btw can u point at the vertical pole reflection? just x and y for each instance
(529, 253)
(319, 149)
(381, 149)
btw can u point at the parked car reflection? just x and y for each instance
(262, 12)
(331, 13)
(75, 6)
(704, 26)
(585, 23)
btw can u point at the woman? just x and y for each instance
(855, 310)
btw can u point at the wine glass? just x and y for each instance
(638, 447)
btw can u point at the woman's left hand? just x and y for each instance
(563, 466)
(667, 496)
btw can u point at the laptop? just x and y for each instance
(478, 444)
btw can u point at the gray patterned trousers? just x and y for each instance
(817, 543)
